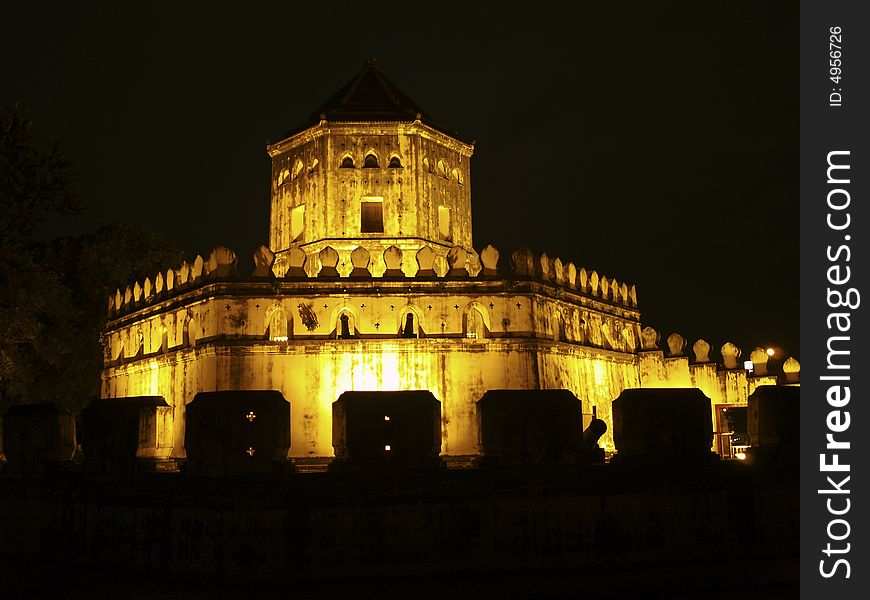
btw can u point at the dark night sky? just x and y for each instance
(654, 142)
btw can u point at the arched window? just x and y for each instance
(313, 166)
(395, 162)
(426, 165)
(297, 168)
(442, 169)
(457, 175)
(346, 162)
(371, 161)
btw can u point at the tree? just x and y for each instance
(35, 180)
(53, 295)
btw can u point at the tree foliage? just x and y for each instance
(53, 296)
(35, 180)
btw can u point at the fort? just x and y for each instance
(370, 283)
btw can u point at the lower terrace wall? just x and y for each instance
(313, 374)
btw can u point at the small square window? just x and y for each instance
(372, 217)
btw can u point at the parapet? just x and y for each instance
(458, 263)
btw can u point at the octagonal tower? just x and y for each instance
(369, 168)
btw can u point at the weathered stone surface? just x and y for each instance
(701, 349)
(489, 260)
(614, 292)
(593, 283)
(545, 267)
(604, 286)
(196, 268)
(583, 280)
(426, 262)
(632, 294)
(759, 359)
(571, 275)
(676, 344)
(457, 259)
(182, 276)
(360, 259)
(328, 262)
(170, 280)
(558, 271)
(158, 283)
(128, 296)
(296, 260)
(649, 339)
(264, 260)
(791, 369)
(221, 262)
(522, 262)
(393, 261)
(147, 291)
(36, 436)
(623, 295)
(730, 354)
(137, 292)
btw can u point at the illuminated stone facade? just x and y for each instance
(371, 283)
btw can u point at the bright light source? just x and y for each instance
(747, 364)
(386, 418)
(280, 338)
(387, 448)
(740, 455)
(770, 352)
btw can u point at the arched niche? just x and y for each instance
(410, 322)
(476, 322)
(278, 325)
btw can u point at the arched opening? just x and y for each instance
(313, 166)
(297, 168)
(395, 162)
(408, 329)
(442, 169)
(346, 162)
(164, 340)
(371, 161)
(344, 326)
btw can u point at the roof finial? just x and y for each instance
(371, 61)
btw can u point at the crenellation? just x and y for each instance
(544, 267)
(583, 281)
(759, 358)
(558, 272)
(196, 269)
(571, 276)
(489, 261)
(457, 260)
(604, 286)
(360, 259)
(522, 262)
(701, 350)
(593, 284)
(730, 353)
(676, 344)
(264, 260)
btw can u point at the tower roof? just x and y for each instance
(370, 96)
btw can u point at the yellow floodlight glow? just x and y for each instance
(771, 352)
(740, 455)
